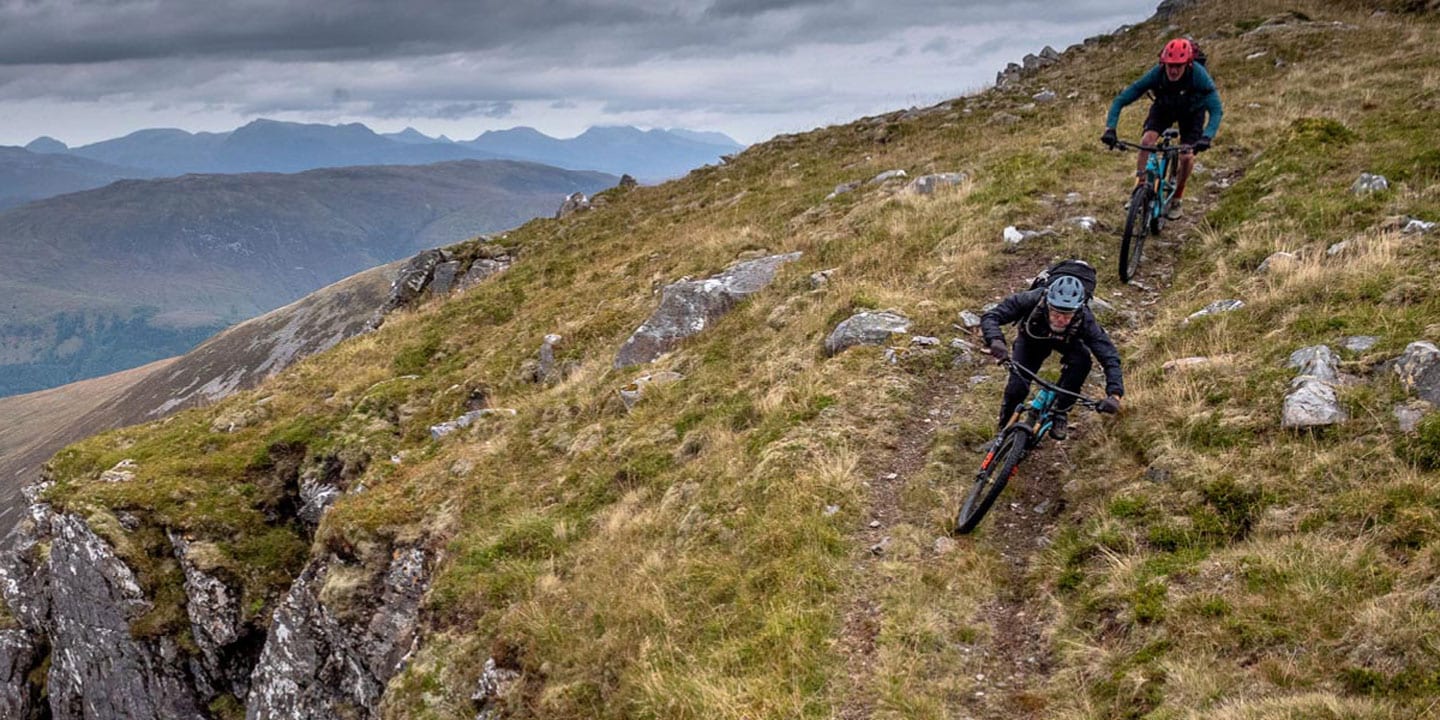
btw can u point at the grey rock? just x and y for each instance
(1311, 404)
(821, 278)
(1084, 222)
(1368, 183)
(865, 328)
(969, 320)
(1014, 236)
(1359, 343)
(928, 184)
(1167, 8)
(1407, 415)
(574, 203)
(480, 270)
(945, 545)
(318, 663)
(409, 283)
(842, 188)
(627, 182)
(1073, 198)
(1216, 308)
(1419, 371)
(20, 652)
(98, 669)
(443, 279)
(316, 496)
(1030, 62)
(1318, 362)
(1100, 306)
(124, 471)
(632, 393)
(214, 612)
(887, 176)
(690, 306)
(495, 684)
(1183, 364)
(1045, 96)
(925, 341)
(1338, 248)
(547, 372)
(1416, 226)
(1048, 55)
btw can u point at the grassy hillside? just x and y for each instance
(708, 554)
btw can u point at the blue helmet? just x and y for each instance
(1066, 293)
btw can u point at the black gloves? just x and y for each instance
(998, 350)
(1203, 143)
(1109, 137)
(1109, 405)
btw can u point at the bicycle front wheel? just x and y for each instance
(998, 468)
(1137, 226)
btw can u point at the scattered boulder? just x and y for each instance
(1009, 76)
(821, 278)
(866, 328)
(1409, 414)
(122, 472)
(1216, 308)
(1084, 222)
(1416, 226)
(464, 421)
(626, 181)
(1368, 183)
(1278, 262)
(1100, 306)
(574, 203)
(1419, 371)
(480, 270)
(1015, 236)
(928, 184)
(1338, 248)
(1312, 402)
(631, 394)
(969, 320)
(689, 306)
(1359, 343)
(841, 189)
(1045, 96)
(1318, 362)
(1048, 56)
(887, 176)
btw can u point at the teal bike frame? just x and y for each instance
(1150, 199)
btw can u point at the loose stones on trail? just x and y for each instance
(689, 306)
(866, 328)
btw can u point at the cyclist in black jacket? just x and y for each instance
(1054, 318)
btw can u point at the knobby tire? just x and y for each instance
(991, 481)
(1137, 226)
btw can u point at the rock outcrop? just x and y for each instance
(1312, 402)
(866, 328)
(689, 306)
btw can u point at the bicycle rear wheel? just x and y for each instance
(998, 468)
(1137, 226)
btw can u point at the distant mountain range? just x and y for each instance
(27, 176)
(274, 146)
(108, 279)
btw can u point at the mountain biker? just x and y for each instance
(1053, 318)
(1184, 93)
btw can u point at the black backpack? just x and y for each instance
(1078, 269)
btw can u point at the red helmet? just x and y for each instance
(1177, 52)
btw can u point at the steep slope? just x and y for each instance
(193, 254)
(27, 175)
(761, 530)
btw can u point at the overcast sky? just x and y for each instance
(87, 70)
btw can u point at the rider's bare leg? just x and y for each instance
(1187, 163)
(1149, 138)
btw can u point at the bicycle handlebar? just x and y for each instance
(1088, 402)
(1127, 145)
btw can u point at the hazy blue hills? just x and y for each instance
(27, 175)
(274, 146)
(107, 279)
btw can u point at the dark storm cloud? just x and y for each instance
(561, 31)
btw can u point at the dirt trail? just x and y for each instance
(1015, 658)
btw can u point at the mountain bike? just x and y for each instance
(1030, 424)
(1145, 214)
